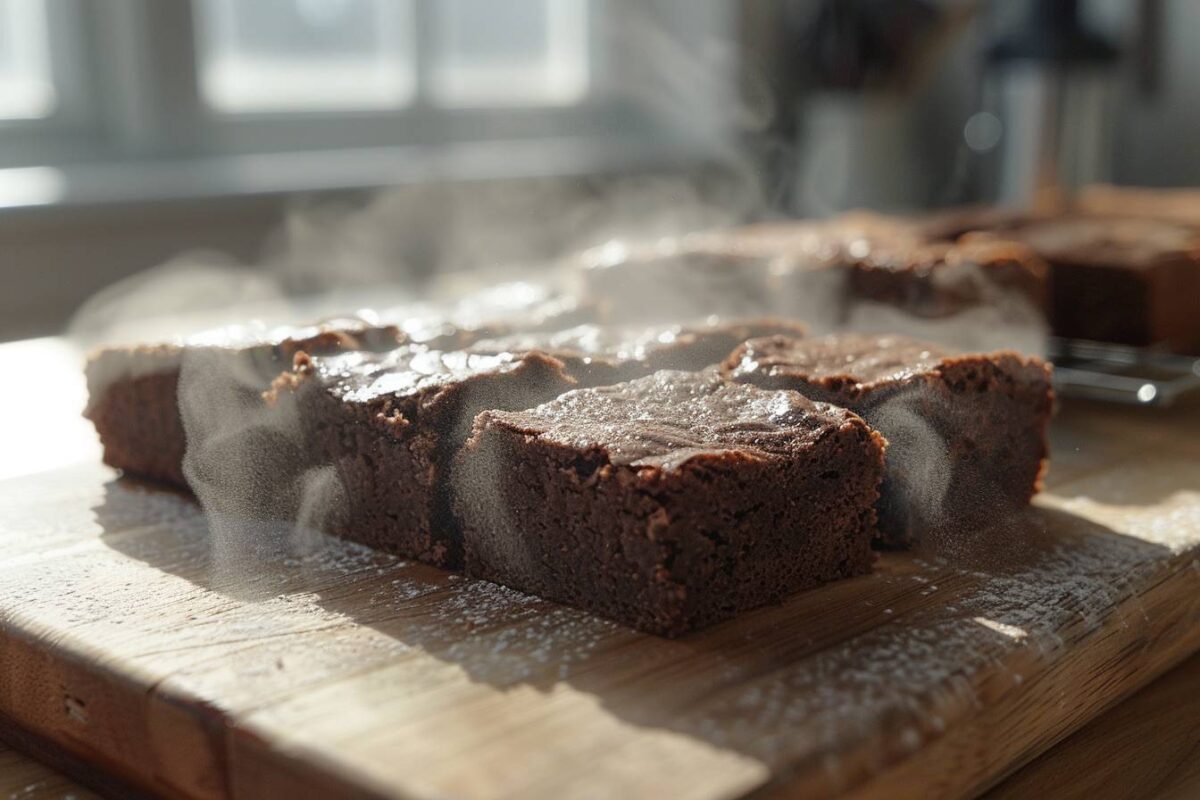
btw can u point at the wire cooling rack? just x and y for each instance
(1116, 373)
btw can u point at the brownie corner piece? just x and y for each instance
(132, 403)
(668, 502)
(134, 391)
(967, 433)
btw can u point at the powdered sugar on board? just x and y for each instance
(389, 673)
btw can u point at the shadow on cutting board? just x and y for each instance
(928, 637)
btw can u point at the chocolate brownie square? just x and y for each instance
(846, 271)
(938, 280)
(1181, 205)
(383, 428)
(950, 224)
(1124, 280)
(980, 293)
(669, 502)
(599, 355)
(133, 392)
(966, 433)
(872, 272)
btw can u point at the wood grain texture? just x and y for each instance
(1147, 747)
(22, 778)
(259, 662)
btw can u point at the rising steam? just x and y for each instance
(245, 460)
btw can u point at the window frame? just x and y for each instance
(425, 122)
(127, 74)
(70, 127)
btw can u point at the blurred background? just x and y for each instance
(327, 144)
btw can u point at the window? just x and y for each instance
(305, 55)
(26, 87)
(163, 88)
(330, 55)
(489, 53)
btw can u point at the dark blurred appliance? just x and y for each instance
(1049, 82)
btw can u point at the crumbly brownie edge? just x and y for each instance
(137, 419)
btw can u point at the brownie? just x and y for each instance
(1126, 280)
(1171, 205)
(598, 355)
(938, 280)
(966, 433)
(387, 424)
(133, 392)
(669, 502)
(950, 224)
(832, 274)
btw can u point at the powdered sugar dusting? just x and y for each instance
(849, 679)
(918, 674)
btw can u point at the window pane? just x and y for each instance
(509, 52)
(26, 88)
(305, 55)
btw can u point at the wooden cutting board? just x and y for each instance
(257, 664)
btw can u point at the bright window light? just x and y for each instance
(26, 87)
(305, 55)
(490, 53)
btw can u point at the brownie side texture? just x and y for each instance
(133, 392)
(941, 279)
(137, 418)
(1171, 205)
(966, 433)
(599, 355)
(1126, 280)
(669, 502)
(388, 424)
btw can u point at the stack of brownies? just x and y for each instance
(665, 475)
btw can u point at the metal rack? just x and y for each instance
(1117, 373)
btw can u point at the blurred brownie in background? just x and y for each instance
(828, 274)
(940, 279)
(914, 264)
(1170, 205)
(596, 355)
(1126, 280)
